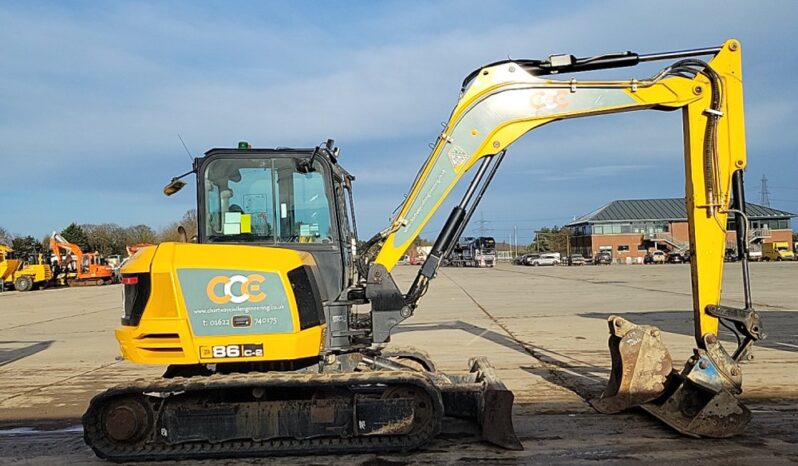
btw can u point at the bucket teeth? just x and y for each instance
(640, 366)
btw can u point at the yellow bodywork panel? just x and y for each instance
(38, 272)
(7, 268)
(503, 102)
(211, 303)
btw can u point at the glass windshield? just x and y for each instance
(266, 200)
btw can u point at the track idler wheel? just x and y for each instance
(641, 365)
(126, 421)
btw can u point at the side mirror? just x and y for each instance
(174, 186)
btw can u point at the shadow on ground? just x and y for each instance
(500, 338)
(781, 326)
(11, 351)
(585, 379)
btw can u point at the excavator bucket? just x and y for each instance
(480, 396)
(698, 411)
(641, 366)
(698, 401)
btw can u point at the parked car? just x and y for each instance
(675, 258)
(655, 257)
(603, 257)
(521, 260)
(552, 255)
(541, 259)
(576, 259)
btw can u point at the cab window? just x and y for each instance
(266, 200)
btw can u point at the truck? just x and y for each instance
(777, 251)
(473, 252)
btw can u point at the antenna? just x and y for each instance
(186, 148)
(764, 193)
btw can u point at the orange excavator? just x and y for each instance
(77, 268)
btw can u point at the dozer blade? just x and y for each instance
(641, 365)
(480, 396)
(698, 401)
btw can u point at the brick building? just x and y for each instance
(629, 229)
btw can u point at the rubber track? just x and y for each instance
(153, 450)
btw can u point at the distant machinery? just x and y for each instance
(473, 252)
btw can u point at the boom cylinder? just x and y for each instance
(451, 230)
(741, 227)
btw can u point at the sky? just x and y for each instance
(93, 96)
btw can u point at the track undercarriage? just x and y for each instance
(285, 413)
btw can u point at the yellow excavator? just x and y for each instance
(273, 325)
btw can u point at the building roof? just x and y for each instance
(663, 209)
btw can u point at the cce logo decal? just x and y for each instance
(249, 289)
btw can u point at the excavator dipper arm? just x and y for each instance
(503, 101)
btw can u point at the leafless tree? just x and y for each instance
(5, 237)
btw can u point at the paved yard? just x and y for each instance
(543, 328)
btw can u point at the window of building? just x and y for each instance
(771, 224)
(579, 230)
(642, 247)
(616, 228)
(598, 229)
(623, 248)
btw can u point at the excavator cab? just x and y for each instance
(274, 245)
(282, 198)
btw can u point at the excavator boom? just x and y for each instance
(505, 100)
